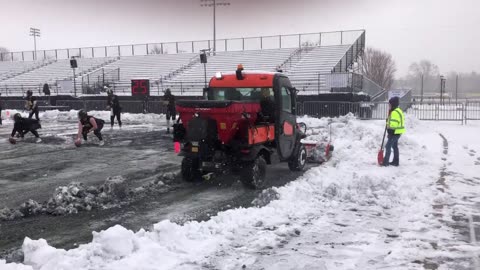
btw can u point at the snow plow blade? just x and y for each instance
(318, 152)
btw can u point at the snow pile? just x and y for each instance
(77, 197)
(14, 266)
(347, 214)
(72, 115)
(71, 199)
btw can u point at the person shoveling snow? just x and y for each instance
(395, 128)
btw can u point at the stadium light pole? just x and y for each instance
(35, 32)
(214, 4)
(421, 95)
(456, 89)
(442, 88)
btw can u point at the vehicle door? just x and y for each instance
(285, 119)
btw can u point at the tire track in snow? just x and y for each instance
(442, 187)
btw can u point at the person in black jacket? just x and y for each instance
(31, 105)
(169, 99)
(115, 109)
(267, 106)
(46, 91)
(0, 109)
(87, 124)
(24, 125)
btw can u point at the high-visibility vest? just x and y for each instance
(396, 121)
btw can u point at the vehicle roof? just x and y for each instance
(252, 78)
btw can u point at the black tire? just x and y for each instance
(298, 161)
(253, 174)
(190, 169)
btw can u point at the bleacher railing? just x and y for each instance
(345, 82)
(230, 44)
(92, 83)
(340, 82)
(355, 50)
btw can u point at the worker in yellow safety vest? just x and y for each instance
(395, 128)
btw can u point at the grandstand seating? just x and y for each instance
(9, 69)
(318, 61)
(307, 67)
(192, 78)
(152, 67)
(50, 73)
(267, 60)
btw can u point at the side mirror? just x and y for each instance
(205, 93)
(302, 127)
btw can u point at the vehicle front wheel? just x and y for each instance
(297, 163)
(253, 174)
(190, 169)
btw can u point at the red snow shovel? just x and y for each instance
(380, 153)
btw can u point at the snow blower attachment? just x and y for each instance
(247, 118)
(318, 152)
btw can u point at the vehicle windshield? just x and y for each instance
(239, 94)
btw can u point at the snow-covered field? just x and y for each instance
(346, 214)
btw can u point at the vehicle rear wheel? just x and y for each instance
(297, 163)
(253, 174)
(190, 169)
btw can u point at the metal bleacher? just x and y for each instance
(307, 73)
(151, 66)
(50, 73)
(308, 64)
(11, 69)
(192, 79)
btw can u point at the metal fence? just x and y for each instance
(232, 44)
(379, 110)
(472, 110)
(462, 112)
(92, 84)
(355, 50)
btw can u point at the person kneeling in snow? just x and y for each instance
(23, 126)
(88, 123)
(395, 128)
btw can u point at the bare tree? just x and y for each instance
(310, 44)
(379, 67)
(424, 67)
(4, 54)
(424, 74)
(157, 50)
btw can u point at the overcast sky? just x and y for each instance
(445, 32)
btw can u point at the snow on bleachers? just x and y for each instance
(267, 60)
(152, 67)
(9, 69)
(184, 72)
(319, 60)
(58, 70)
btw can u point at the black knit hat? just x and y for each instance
(394, 101)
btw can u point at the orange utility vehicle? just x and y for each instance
(246, 118)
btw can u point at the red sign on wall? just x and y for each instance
(140, 87)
